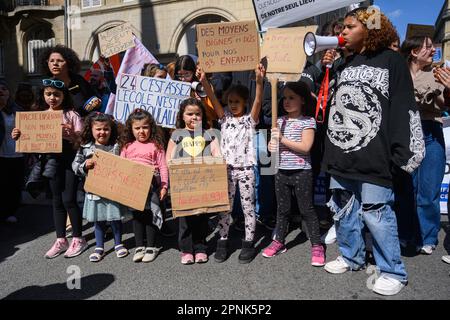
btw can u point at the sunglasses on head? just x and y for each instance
(53, 83)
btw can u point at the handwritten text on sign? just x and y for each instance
(116, 40)
(120, 180)
(160, 97)
(199, 186)
(227, 47)
(284, 49)
(40, 131)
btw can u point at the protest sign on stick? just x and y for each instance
(197, 188)
(284, 51)
(116, 40)
(120, 180)
(160, 97)
(40, 131)
(224, 47)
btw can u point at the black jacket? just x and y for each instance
(374, 124)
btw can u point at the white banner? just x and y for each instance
(160, 97)
(277, 13)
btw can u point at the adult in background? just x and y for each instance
(24, 97)
(373, 127)
(63, 63)
(11, 163)
(430, 99)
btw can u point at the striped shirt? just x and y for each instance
(292, 129)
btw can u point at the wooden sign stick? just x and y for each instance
(274, 84)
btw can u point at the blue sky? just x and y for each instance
(402, 12)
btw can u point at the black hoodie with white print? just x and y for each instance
(374, 125)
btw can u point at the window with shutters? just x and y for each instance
(38, 40)
(85, 4)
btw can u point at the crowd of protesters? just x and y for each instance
(379, 143)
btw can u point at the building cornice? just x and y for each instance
(122, 6)
(26, 9)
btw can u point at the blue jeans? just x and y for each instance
(427, 183)
(355, 204)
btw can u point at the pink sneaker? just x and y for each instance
(318, 255)
(201, 257)
(276, 247)
(60, 245)
(187, 258)
(77, 246)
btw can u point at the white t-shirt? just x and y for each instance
(8, 145)
(237, 140)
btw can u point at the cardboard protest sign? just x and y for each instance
(120, 180)
(197, 188)
(283, 49)
(116, 40)
(419, 30)
(277, 13)
(41, 131)
(224, 47)
(160, 97)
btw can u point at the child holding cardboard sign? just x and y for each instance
(191, 140)
(238, 130)
(63, 182)
(100, 132)
(142, 142)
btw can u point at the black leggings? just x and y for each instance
(143, 225)
(64, 192)
(193, 231)
(300, 182)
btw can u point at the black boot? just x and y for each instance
(247, 253)
(221, 251)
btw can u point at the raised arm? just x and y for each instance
(260, 72)
(210, 93)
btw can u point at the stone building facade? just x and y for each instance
(166, 27)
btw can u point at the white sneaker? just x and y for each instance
(11, 219)
(446, 259)
(150, 254)
(387, 286)
(426, 249)
(139, 253)
(337, 266)
(330, 236)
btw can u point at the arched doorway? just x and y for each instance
(186, 44)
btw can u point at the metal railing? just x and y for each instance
(31, 2)
(11, 5)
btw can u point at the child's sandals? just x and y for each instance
(97, 255)
(121, 251)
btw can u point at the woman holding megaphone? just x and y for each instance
(373, 127)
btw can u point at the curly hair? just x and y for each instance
(71, 57)
(376, 38)
(156, 134)
(191, 102)
(86, 134)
